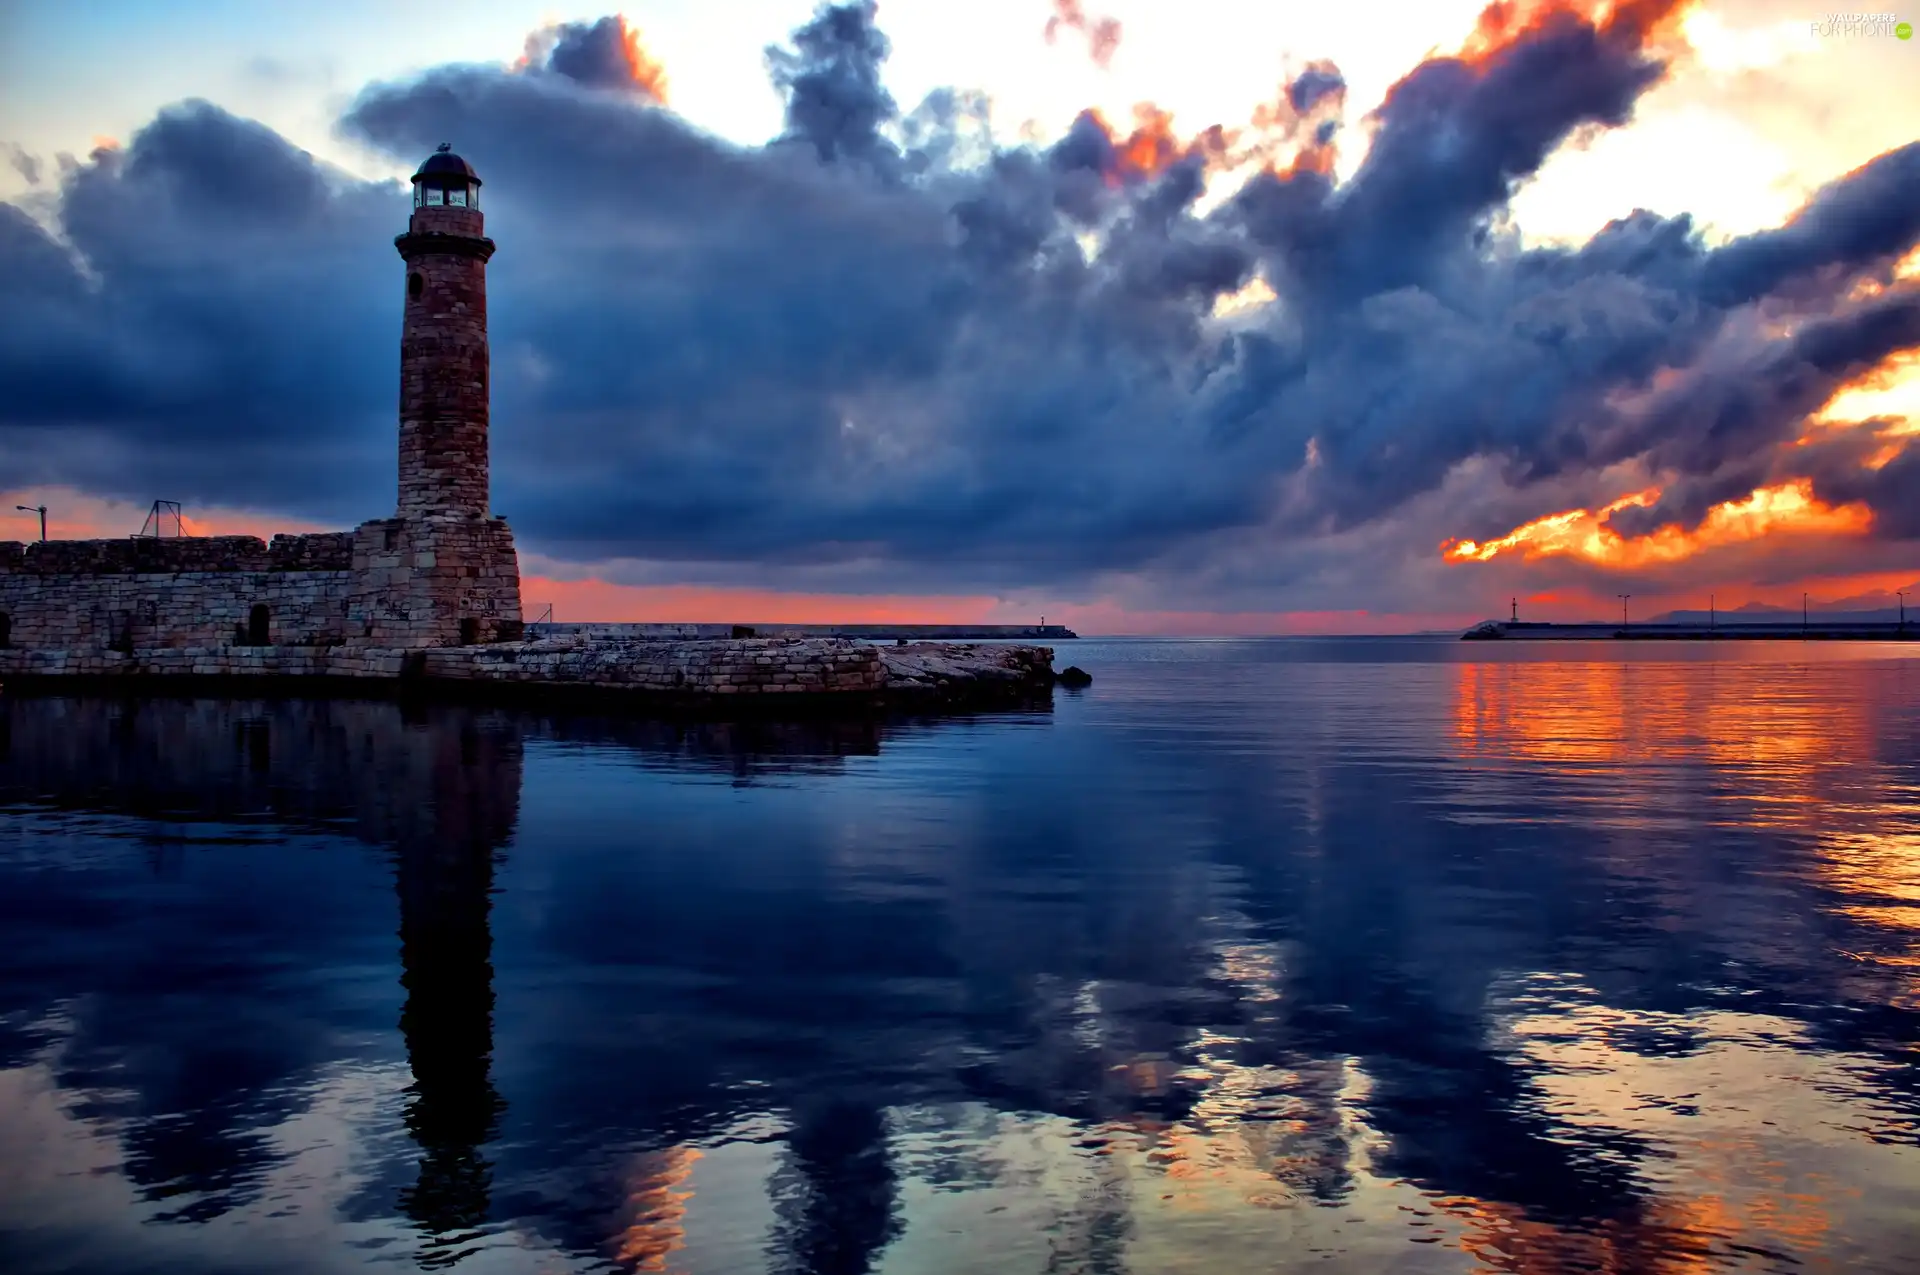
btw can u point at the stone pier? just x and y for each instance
(718, 674)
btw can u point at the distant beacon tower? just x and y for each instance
(443, 345)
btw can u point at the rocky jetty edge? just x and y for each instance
(733, 675)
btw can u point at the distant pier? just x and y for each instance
(1814, 630)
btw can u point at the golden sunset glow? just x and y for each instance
(1504, 22)
(645, 71)
(1787, 509)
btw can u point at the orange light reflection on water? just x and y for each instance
(657, 1199)
(1796, 752)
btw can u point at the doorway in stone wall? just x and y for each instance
(258, 622)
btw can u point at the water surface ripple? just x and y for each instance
(1262, 956)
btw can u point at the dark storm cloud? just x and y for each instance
(831, 79)
(219, 324)
(1872, 216)
(1890, 491)
(604, 54)
(851, 356)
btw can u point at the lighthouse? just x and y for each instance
(443, 345)
(443, 570)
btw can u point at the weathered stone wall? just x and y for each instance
(763, 666)
(391, 583)
(135, 555)
(321, 551)
(722, 668)
(179, 609)
(428, 582)
(753, 668)
(444, 365)
(878, 632)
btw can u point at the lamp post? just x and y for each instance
(1903, 609)
(1803, 615)
(42, 511)
(1623, 607)
(1710, 613)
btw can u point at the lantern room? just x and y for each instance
(446, 180)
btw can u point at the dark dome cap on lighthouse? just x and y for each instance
(447, 167)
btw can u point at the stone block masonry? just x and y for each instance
(432, 582)
(717, 674)
(390, 583)
(184, 609)
(326, 551)
(444, 365)
(83, 595)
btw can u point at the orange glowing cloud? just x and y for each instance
(1150, 149)
(1505, 23)
(617, 59)
(646, 72)
(1787, 509)
(1154, 145)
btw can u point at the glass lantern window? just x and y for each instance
(457, 196)
(435, 195)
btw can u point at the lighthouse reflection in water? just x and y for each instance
(1260, 956)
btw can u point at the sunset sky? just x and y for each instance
(968, 312)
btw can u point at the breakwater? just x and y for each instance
(722, 673)
(1814, 630)
(860, 632)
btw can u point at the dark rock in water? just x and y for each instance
(1074, 675)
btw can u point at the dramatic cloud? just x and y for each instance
(883, 352)
(599, 55)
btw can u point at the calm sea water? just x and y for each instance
(1394, 955)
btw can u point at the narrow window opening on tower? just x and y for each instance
(469, 631)
(416, 284)
(258, 620)
(6, 630)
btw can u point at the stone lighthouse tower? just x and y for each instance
(443, 345)
(443, 571)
